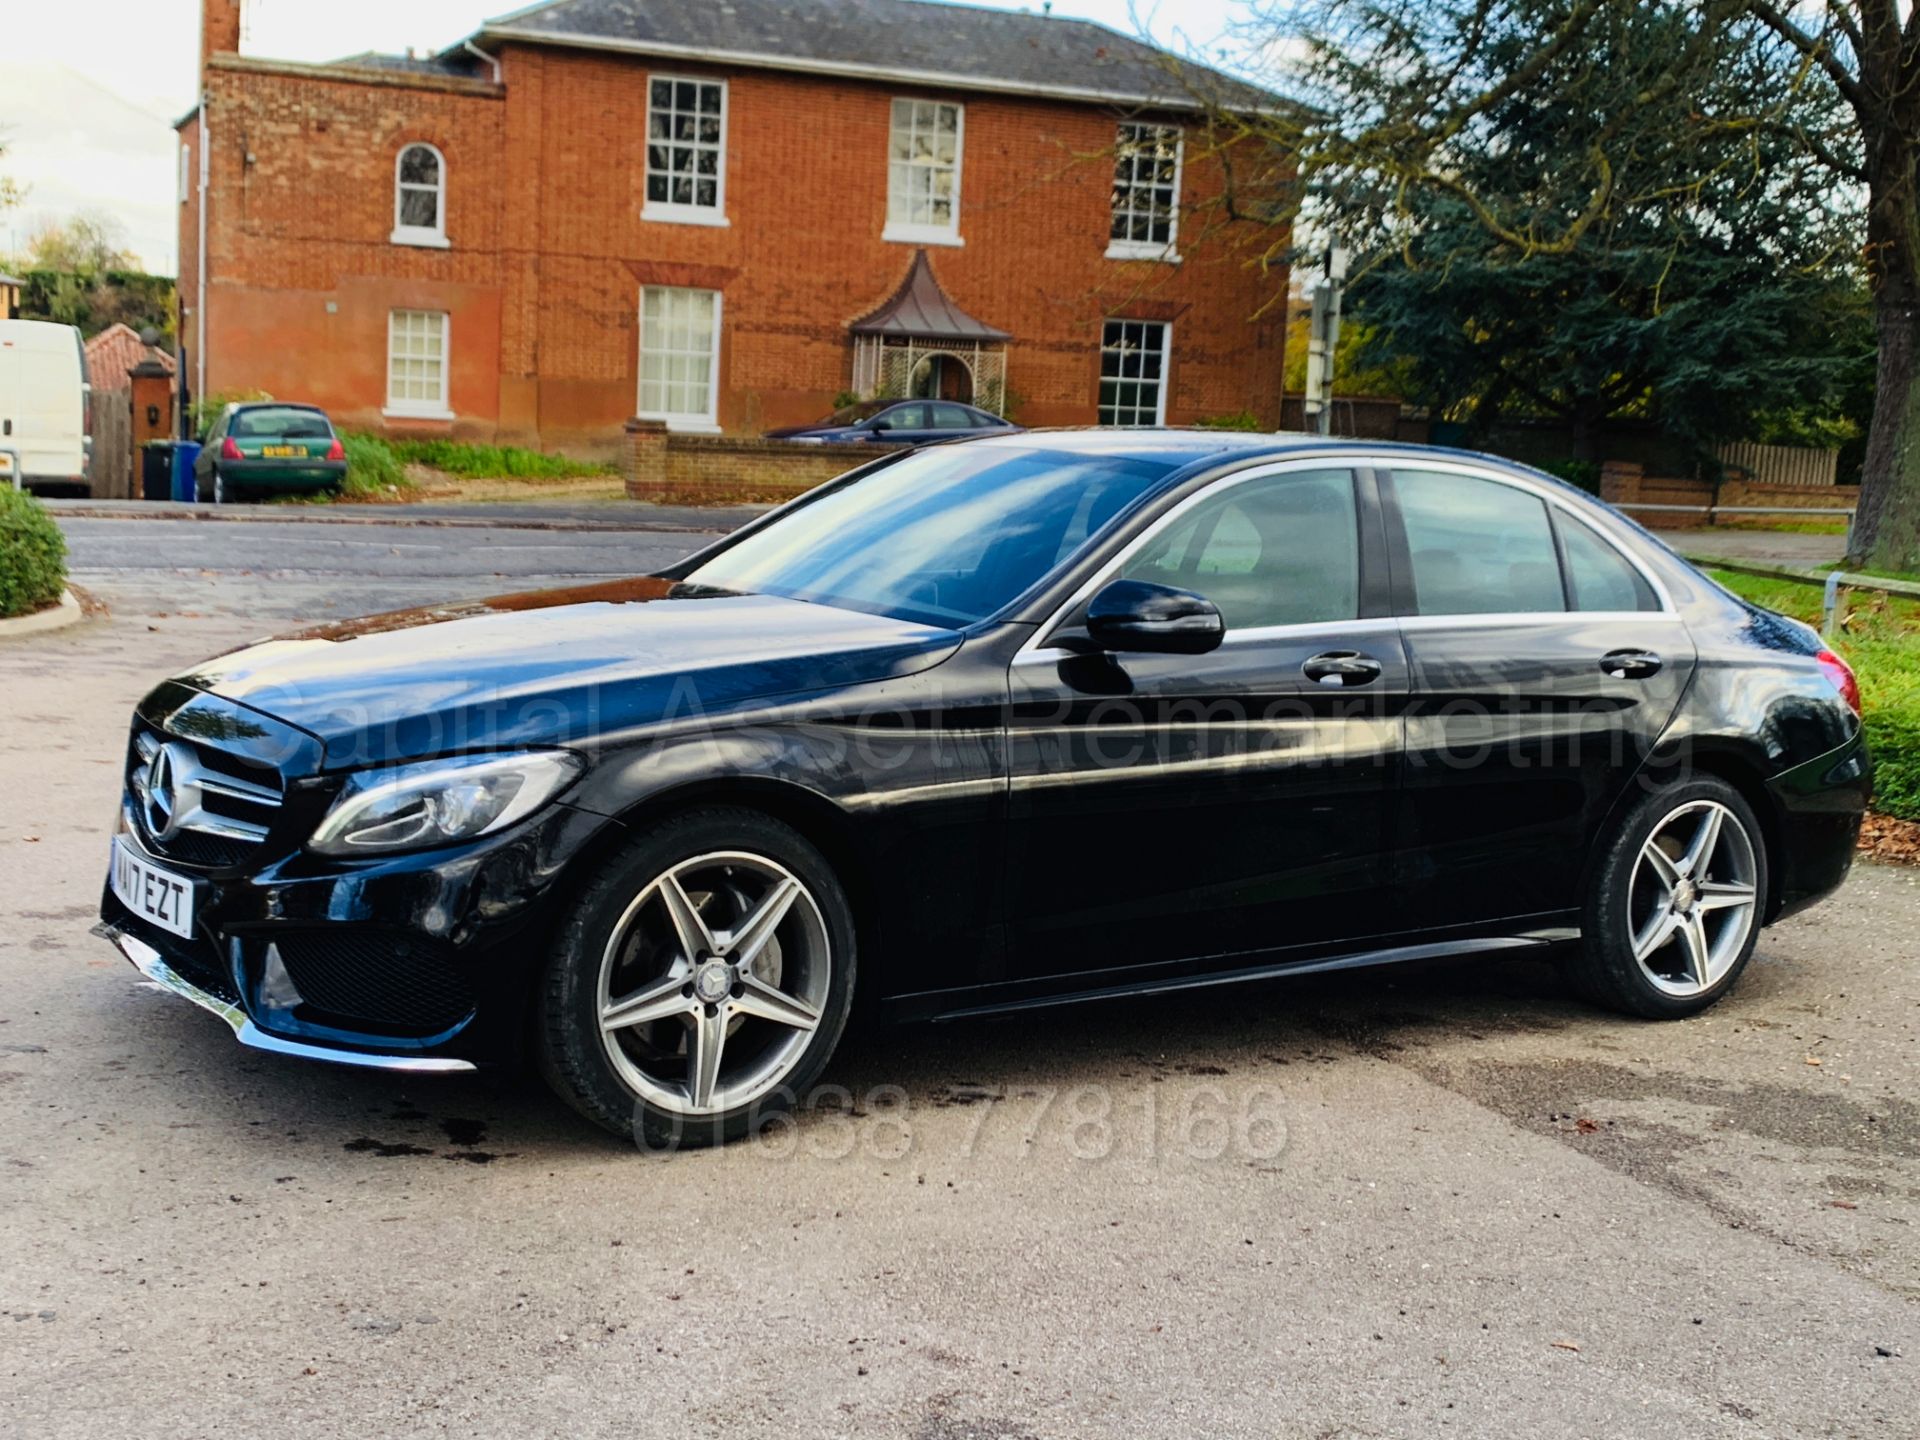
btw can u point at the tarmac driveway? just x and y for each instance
(1408, 1203)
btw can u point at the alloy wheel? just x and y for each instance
(713, 982)
(1694, 898)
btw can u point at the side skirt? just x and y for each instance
(965, 1004)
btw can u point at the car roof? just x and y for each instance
(1188, 448)
(239, 405)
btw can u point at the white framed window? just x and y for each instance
(417, 353)
(1133, 372)
(1146, 192)
(186, 174)
(680, 357)
(686, 150)
(924, 141)
(420, 197)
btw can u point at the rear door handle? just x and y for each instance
(1630, 664)
(1338, 668)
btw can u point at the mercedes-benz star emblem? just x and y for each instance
(173, 790)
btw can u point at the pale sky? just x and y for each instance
(89, 89)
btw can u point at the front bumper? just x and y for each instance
(149, 962)
(418, 962)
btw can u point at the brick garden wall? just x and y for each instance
(674, 469)
(1623, 483)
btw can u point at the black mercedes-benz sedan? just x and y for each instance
(999, 724)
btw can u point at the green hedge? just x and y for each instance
(33, 554)
(492, 462)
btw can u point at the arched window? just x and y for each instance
(420, 197)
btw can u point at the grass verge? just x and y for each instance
(1817, 525)
(373, 470)
(1881, 640)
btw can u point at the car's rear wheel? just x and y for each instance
(1676, 903)
(701, 981)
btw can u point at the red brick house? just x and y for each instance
(721, 216)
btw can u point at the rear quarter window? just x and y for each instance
(1601, 577)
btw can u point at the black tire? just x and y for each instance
(1602, 966)
(571, 1054)
(202, 490)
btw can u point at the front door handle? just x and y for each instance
(1339, 668)
(1630, 664)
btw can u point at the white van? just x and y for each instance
(44, 406)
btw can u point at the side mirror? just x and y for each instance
(880, 425)
(1158, 619)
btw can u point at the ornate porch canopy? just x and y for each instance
(896, 345)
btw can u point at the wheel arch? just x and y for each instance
(822, 823)
(1724, 760)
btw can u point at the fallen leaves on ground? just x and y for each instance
(1884, 838)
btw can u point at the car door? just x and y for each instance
(1546, 664)
(946, 420)
(1183, 812)
(203, 463)
(903, 424)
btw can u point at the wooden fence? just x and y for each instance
(1782, 464)
(112, 445)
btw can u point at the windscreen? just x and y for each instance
(945, 537)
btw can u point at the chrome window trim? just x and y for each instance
(1483, 619)
(1668, 613)
(1033, 647)
(1555, 501)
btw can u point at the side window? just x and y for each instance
(902, 417)
(1478, 547)
(1281, 550)
(1601, 577)
(420, 197)
(951, 417)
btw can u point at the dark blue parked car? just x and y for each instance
(899, 422)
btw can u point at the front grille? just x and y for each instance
(389, 983)
(217, 806)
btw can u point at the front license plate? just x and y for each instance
(156, 895)
(281, 452)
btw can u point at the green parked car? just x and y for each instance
(265, 447)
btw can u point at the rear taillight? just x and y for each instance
(229, 450)
(1841, 674)
(336, 451)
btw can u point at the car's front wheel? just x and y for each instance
(700, 982)
(1676, 903)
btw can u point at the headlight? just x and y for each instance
(440, 802)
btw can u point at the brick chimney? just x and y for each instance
(219, 29)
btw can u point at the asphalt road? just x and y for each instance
(1452, 1201)
(294, 569)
